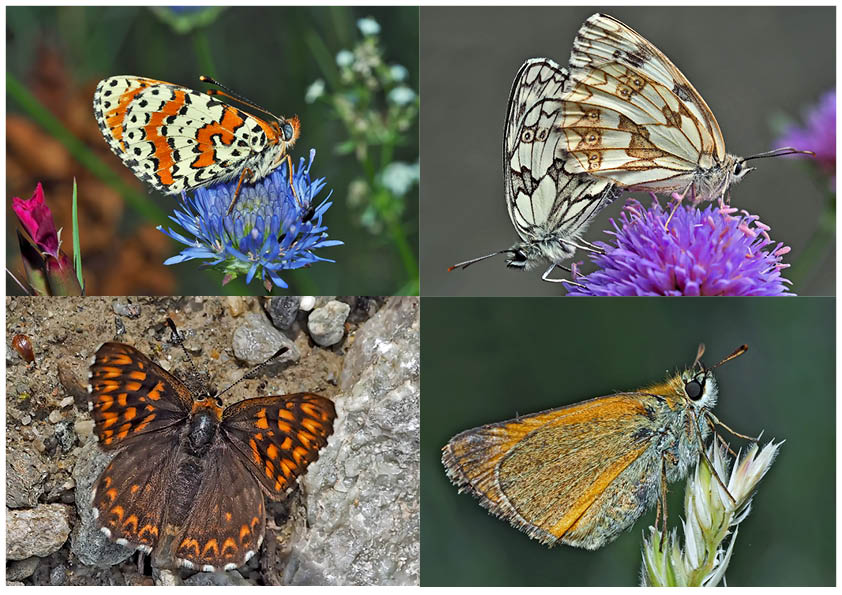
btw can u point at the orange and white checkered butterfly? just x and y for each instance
(631, 117)
(549, 208)
(177, 139)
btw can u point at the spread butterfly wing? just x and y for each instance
(225, 526)
(130, 497)
(277, 437)
(530, 470)
(630, 115)
(175, 138)
(130, 395)
(539, 194)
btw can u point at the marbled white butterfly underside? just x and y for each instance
(550, 209)
(630, 117)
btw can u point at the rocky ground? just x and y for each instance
(354, 518)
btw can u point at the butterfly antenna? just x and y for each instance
(780, 153)
(467, 263)
(737, 353)
(231, 94)
(253, 372)
(699, 353)
(177, 338)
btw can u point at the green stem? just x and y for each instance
(30, 104)
(816, 248)
(203, 52)
(77, 246)
(404, 249)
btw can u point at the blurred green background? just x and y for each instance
(752, 64)
(271, 55)
(488, 360)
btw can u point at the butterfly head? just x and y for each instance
(699, 383)
(287, 130)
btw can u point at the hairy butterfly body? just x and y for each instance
(188, 481)
(177, 139)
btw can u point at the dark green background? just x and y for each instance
(267, 55)
(750, 64)
(487, 360)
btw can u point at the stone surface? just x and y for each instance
(26, 471)
(21, 569)
(283, 310)
(256, 340)
(361, 496)
(38, 531)
(87, 542)
(326, 324)
(126, 309)
(213, 579)
(58, 575)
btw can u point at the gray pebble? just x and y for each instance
(38, 531)
(256, 340)
(327, 324)
(58, 575)
(283, 310)
(26, 471)
(21, 569)
(125, 309)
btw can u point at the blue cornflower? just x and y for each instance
(267, 232)
(700, 252)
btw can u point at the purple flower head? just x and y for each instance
(818, 134)
(268, 231)
(701, 252)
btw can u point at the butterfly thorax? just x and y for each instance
(270, 150)
(713, 182)
(683, 400)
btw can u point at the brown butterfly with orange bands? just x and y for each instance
(188, 481)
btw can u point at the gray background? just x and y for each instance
(750, 64)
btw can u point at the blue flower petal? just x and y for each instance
(269, 230)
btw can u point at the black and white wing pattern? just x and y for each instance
(549, 208)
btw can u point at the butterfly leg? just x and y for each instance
(663, 498)
(246, 171)
(678, 204)
(291, 185)
(546, 276)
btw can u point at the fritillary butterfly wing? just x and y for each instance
(177, 139)
(130, 395)
(277, 437)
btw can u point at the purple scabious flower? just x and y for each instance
(267, 232)
(818, 134)
(701, 252)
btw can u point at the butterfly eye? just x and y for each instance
(286, 128)
(739, 166)
(693, 390)
(218, 401)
